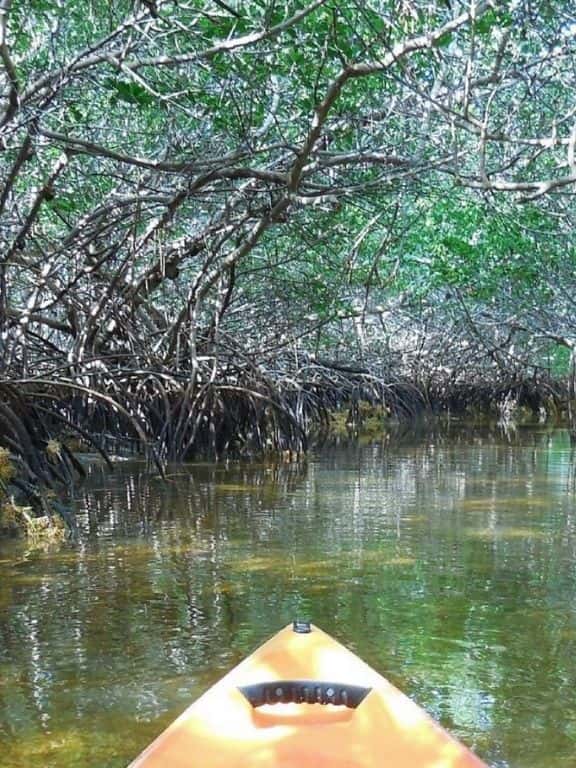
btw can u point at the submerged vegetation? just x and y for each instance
(445, 560)
(220, 222)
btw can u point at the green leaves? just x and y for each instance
(491, 20)
(44, 6)
(559, 360)
(445, 40)
(76, 114)
(459, 247)
(64, 204)
(128, 91)
(460, 241)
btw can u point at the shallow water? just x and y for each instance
(446, 559)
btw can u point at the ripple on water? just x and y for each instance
(509, 532)
(104, 642)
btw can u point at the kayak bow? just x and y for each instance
(302, 700)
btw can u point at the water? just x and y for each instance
(446, 559)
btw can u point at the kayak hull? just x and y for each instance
(258, 716)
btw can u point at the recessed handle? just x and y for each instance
(304, 692)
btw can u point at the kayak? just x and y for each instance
(302, 700)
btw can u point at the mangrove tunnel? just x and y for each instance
(287, 334)
(226, 226)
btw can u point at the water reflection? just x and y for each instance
(447, 559)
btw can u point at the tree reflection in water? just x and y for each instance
(446, 559)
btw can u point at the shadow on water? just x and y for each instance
(445, 557)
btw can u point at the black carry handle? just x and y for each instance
(304, 692)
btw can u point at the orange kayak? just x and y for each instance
(302, 700)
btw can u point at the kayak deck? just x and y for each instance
(303, 700)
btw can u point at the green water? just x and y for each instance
(446, 559)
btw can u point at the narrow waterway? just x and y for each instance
(445, 558)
